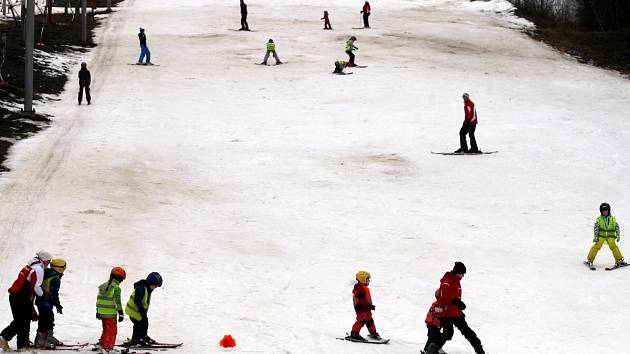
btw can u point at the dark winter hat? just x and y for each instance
(154, 279)
(604, 206)
(459, 268)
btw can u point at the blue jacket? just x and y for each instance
(50, 298)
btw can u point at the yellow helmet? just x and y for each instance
(58, 265)
(363, 277)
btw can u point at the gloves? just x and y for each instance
(372, 307)
(438, 309)
(98, 317)
(358, 308)
(60, 309)
(34, 315)
(121, 316)
(459, 303)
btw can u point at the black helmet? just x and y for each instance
(604, 206)
(353, 38)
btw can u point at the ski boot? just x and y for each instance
(41, 341)
(460, 150)
(621, 263)
(356, 335)
(148, 340)
(431, 349)
(374, 336)
(52, 340)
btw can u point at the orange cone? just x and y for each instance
(227, 341)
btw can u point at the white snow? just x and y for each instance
(258, 192)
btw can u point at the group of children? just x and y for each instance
(445, 312)
(38, 284)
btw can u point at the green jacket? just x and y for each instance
(108, 302)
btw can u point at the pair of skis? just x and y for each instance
(364, 340)
(591, 267)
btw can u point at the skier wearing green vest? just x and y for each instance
(108, 307)
(138, 306)
(271, 49)
(606, 230)
(45, 303)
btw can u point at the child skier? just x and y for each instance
(271, 48)
(435, 338)
(363, 307)
(21, 295)
(108, 305)
(138, 306)
(51, 284)
(339, 66)
(326, 21)
(350, 47)
(606, 231)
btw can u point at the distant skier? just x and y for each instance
(362, 300)
(271, 49)
(606, 230)
(350, 48)
(435, 337)
(85, 79)
(339, 66)
(138, 306)
(327, 25)
(244, 24)
(108, 306)
(367, 9)
(144, 49)
(21, 295)
(51, 284)
(469, 126)
(449, 298)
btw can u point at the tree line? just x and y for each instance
(599, 15)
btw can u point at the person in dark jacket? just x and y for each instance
(51, 284)
(244, 25)
(144, 49)
(138, 306)
(327, 25)
(85, 79)
(449, 298)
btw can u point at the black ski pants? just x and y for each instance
(22, 310)
(366, 20)
(434, 336)
(87, 93)
(470, 130)
(462, 326)
(244, 25)
(46, 319)
(140, 328)
(351, 60)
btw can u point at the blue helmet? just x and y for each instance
(154, 279)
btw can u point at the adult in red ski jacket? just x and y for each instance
(469, 126)
(449, 297)
(362, 301)
(21, 294)
(366, 14)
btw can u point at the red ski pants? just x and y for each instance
(364, 318)
(110, 330)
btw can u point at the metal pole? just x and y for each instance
(84, 21)
(4, 7)
(28, 57)
(109, 5)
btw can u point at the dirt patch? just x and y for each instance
(62, 36)
(609, 50)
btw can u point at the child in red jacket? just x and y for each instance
(435, 337)
(362, 300)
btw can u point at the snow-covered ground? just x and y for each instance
(258, 192)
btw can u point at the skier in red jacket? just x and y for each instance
(367, 9)
(449, 297)
(435, 337)
(469, 126)
(362, 300)
(327, 25)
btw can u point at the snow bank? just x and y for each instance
(503, 8)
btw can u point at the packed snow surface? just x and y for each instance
(258, 192)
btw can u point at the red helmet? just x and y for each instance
(119, 271)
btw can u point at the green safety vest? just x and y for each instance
(348, 46)
(340, 62)
(46, 286)
(271, 47)
(132, 310)
(108, 300)
(607, 231)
